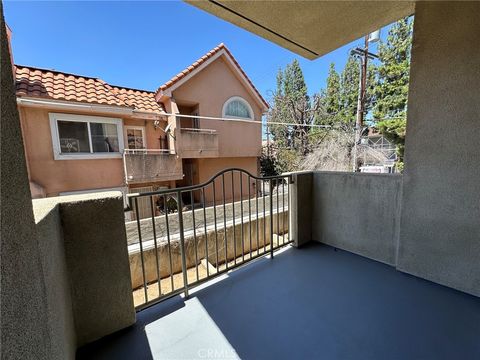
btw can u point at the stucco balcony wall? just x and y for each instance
(198, 143)
(87, 296)
(148, 166)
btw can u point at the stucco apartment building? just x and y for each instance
(82, 134)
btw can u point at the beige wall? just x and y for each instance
(440, 226)
(207, 168)
(57, 176)
(24, 315)
(152, 135)
(210, 88)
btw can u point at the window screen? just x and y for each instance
(73, 137)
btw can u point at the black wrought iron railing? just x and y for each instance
(198, 232)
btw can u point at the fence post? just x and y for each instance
(271, 218)
(182, 242)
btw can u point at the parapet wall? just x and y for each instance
(88, 297)
(357, 212)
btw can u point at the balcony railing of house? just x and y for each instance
(242, 217)
(199, 131)
(196, 143)
(145, 165)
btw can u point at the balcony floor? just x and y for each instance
(306, 303)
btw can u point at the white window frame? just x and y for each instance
(57, 154)
(134, 127)
(237, 98)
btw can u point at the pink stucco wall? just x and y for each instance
(210, 89)
(57, 176)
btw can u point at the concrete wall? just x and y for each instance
(101, 291)
(23, 304)
(85, 296)
(357, 212)
(59, 301)
(440, 225)
(301, 207)
(427, 222)
(197, 144)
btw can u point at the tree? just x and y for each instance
(292, 105)
(349, 91)
(330, 98)
(268, 159)
(391, 90)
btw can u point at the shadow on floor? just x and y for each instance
(307, 303)
(132, 342)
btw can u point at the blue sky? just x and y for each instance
(143, 44)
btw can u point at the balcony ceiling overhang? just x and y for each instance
(308, 28)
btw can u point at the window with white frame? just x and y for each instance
(237, 107)
(85, 137)
(135, 137)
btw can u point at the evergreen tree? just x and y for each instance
(349, 91)
(339, 98)
(394, 71)
(291, 104)
(391, 90)
(330, 99)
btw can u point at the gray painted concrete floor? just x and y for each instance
(309, 303)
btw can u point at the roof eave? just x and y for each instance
(294, 25)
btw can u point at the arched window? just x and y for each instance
(237, 107)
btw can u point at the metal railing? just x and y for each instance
(209, 229)
(199, 131)
(149, 151)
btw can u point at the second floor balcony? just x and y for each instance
(198, 143)
(149, 165)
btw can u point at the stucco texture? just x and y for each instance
(24, 311)
(440, 225)
(358, 212)
(59, 302)
(210, 89)
(96, 258)
(57, 176)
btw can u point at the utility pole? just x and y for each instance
(268, 141)
(363, 55)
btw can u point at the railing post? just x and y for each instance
(182, 242)
(300, 205)
(139, 229)
(271, 218)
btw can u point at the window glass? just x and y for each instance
(135, 139)
(73, 137)
(104, 137)
(237, 108)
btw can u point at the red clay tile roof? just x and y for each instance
(43, 83)
(200, 61)
(139, 99)
(52, 84)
